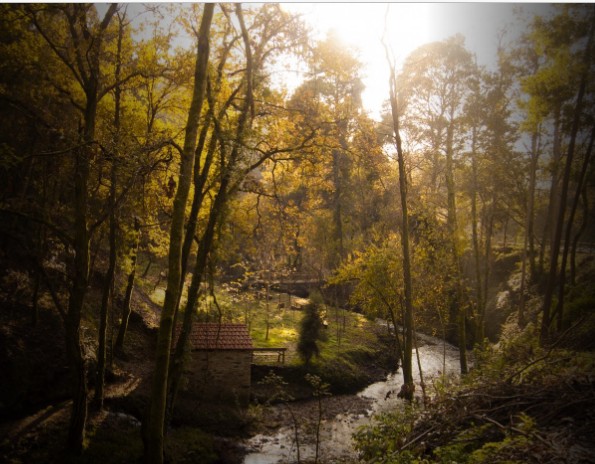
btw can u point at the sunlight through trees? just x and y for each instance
(158, 150)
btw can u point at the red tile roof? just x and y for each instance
(213, 336)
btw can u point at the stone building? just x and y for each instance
(221, 358)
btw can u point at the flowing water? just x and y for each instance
(335, 436)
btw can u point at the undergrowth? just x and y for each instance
(521, 404)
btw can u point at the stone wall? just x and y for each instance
(221, 375)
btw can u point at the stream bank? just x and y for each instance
(341, 415)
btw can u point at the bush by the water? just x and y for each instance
(310, 330)
(522, 404)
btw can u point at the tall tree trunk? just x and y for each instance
(555, 249)
(531, 205)
(408, 386)
(177, 368)
(489, 232)
(528, 240)
(480, 329)
(547, 237)
(106, 296)
(339, 181)
(192, 223)
(85, 67)
(197, 198)
(458, 304)
(338, 249)
(578, 235)
(568, 234)
(74, 347)
(109, 276)
(154, 421)
(201, 171)
(200, 178)
(126, 309)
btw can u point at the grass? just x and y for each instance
(349, 352)
(283, 328)
(351, 355)
(350, 349)
(346, 332)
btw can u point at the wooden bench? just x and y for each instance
(280, 352)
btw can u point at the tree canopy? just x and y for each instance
(160, 148)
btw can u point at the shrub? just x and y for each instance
(384, 437)
(310, 331)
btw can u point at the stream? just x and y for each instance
(335, 434)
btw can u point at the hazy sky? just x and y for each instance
(411, 25)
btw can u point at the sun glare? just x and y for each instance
(362, 25)
(408, 27)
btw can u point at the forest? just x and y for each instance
(425, 276)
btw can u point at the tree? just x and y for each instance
(526, 57)
(378, 288)
(80, 70)
(310, 330)
(155, 417)
(559, 224)
(558, 49)
(434, 88)
(84, 34)
(494, 172)
(126, 309)
(249, 133)
(408, 386)
(330, 100)
(113, 222)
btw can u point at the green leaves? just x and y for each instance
(382, 441)
(310, 333)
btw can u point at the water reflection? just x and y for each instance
(335, 437)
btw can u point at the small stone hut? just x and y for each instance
(221, 358)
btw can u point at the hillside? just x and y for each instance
(36, 395)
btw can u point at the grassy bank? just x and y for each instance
(354, 351)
